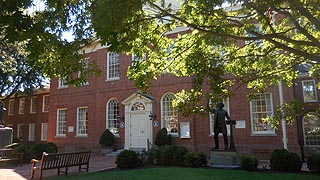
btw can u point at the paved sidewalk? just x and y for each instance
(97, 163)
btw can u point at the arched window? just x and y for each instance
(169, 114)
(113, 116)
(138, 106)
(311, 129)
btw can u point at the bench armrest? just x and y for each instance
(35, 161)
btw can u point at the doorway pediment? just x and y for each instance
(138, 96)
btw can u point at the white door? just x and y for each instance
(139, 130)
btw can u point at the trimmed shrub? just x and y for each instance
(106, 138)
(172, 155)
(153, 156)
(283, 160)
(313, 162)
(38, 150)
(34, 151)
(195, 159)
(249, 163)
(51, 148)
(163, 138)
(128, 159)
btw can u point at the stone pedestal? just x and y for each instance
(5, 136)
(224, 159)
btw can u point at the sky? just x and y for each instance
(38, 5)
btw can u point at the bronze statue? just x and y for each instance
(220, 116)
(2, 110)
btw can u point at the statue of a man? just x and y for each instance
(220, 116)
(2, 110)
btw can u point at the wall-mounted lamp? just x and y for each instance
(152, 116)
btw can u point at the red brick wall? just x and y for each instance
(99, 91)
(38, 118)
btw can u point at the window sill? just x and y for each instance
(60, 136)
(263, 134)
(113, 79)
(81, 136)
(174, 135)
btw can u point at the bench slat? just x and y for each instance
(61, 160)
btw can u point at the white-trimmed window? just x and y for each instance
(62, 83)
(82, 121)
(309, 91)
(169, 114)
(260, 108)
(32, 131)
(113, 116)
(44, 131)
(113, 62)
(85, 63)
(20, 132)
(61, 122)
(138, 59)
(11, 107)
(33, 105)
(21, 105)
(226, 107)
(45, 103)
(311, 126)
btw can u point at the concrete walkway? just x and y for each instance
(97, 163)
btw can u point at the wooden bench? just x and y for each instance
(7, 155)
(59, 161)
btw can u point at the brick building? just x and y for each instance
(78, 116)
(28, 116)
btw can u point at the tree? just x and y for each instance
(226, 44)
(249, 42)
(16, 73)
(32, 46)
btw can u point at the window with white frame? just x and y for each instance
(45, 103)
(21, 105)
(11, 107)
(113, 62)
(260, 108)
(82, 121)
(138, 59)
(85, 64)
(309, 91)
(211, 114)
(311, 126)
(33, 105)
(169, 114)
(113, 116)
(20, 132)
(61, 122)
(44, 131)
(62, 83)
(32, 131)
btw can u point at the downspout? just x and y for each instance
(283, 121)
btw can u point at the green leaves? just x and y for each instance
(255, 43)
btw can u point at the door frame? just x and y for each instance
(148, 104)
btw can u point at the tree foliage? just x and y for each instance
(38, 33)
(16, 73)
(225, 43)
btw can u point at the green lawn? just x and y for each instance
(176, 173)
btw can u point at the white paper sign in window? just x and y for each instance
(185, 129)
